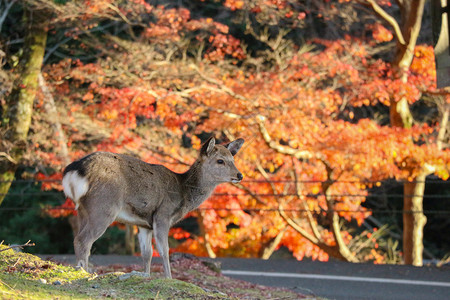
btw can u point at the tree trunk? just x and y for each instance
(411, 21)
(413, 222)
(406, 31)
(19, 105)
(413, 218)
(205, 235)
(440, 27)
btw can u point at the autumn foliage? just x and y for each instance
(154, 80)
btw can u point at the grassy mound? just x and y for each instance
(25, 276)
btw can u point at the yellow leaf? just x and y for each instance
(271, 168)
(443, 173)
(316, 189)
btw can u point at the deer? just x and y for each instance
(108, 187)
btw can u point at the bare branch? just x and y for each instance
(27, 244)
(268, 251)
(311, 221)
(299, 154)
(250, 193)
(52, 112)
(266, 176)
(388, 18)
(334, 219)
(8, 157)
(443, 128)
(297, 227)
(220, 85)
(124, 18)
(6, 11)
(186, 94)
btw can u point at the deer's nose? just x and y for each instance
(239, 176)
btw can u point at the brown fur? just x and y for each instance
(111, 187)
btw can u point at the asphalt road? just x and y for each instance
(331, 280)
(346, 281)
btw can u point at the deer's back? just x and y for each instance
(132, 186)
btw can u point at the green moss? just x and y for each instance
(12, 287)
(25, 276)
(137, 287)
(28, 266)
(166, 288)
(6, 177)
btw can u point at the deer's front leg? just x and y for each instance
(161, 227)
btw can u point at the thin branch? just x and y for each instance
(331, 250)
(162, 153)
(124, 18)
(299, 154)
(268, 251)
(204, 233)
(186, 94)
(312, 222)
(445, 260)
(27, 244)
(8, 157)
(297, 227)
(5, 284)
(52, 112)
(342, 250)
(443, 128)
(220, 85)
(5, 12)
(266, 176)
(388, 18)
(54, 48)
(50, 51)
(334, 219)
(283, 214)
(249, 192)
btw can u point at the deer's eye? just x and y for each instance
(220, 161)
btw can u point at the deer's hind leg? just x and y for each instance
(92, 223)
(145, 243)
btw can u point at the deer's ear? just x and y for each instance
(234, 146)
(208, 147)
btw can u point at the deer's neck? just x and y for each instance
(196, 188)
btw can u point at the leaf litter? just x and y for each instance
(25, 276)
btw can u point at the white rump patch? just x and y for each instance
(75, 186)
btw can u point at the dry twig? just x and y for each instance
(27, 244)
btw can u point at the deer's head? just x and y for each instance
(218, 161)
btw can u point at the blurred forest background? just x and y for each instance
(346, 154)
